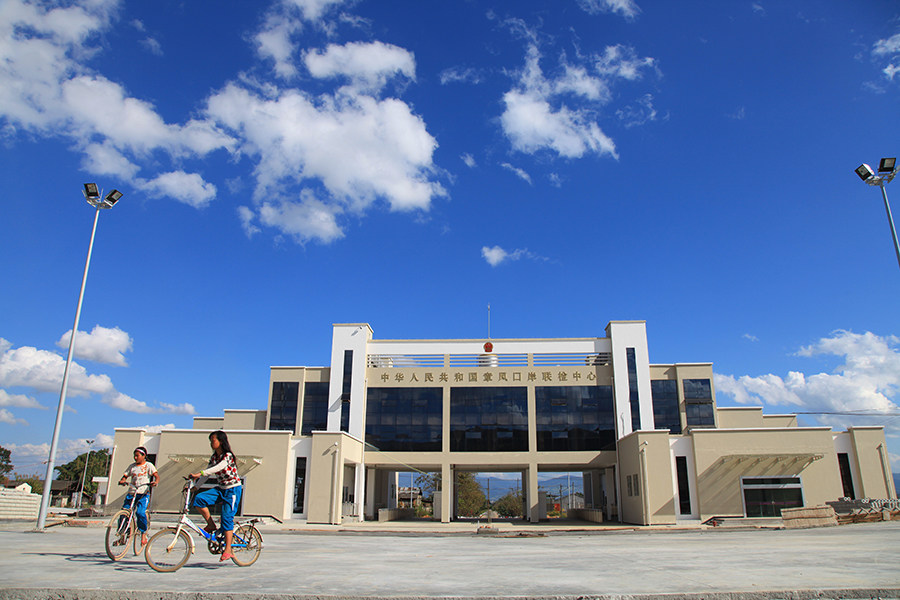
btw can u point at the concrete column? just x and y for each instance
(359, 491)
(370, 494)
(447, 492)
(533, 511)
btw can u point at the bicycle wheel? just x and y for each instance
(138, 547)
(166, 551)
(137, 540)
(119, 532)
(246, 544)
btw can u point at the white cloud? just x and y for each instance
(865, 383)
(639, 113)
(495, 255)
(461, 75)
(751, 337)
(8, 418)
(367, 65)
(349, 147)
(184, 408)
(247, 216)
(305, 220)
(626, 8)
(18, 400)
(274, 42)
(313, 10)
(469, 160)
(358, 147)
(189, 188)
(42, 371)
(521, 174)
(622, 61)
(105, 159)
(28, 458)
(739, 114)
(152, 45)
(157, 428)
(102, 345)
(560, 114)
(47, 89)
(887, 47)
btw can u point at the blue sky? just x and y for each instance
(297, 163)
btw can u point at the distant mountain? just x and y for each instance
(563, 483)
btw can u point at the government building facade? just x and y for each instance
(653, 447)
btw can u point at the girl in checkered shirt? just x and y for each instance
(223, 465)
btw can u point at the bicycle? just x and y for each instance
(122, 529)
(170, 548)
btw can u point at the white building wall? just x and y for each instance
(351, 336)
(843, 445)
(684, 446)
(623, 335)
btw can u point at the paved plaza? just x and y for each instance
(861, 560)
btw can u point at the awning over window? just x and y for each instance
(245, 463)
(786, 458)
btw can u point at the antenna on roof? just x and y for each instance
(489, 321)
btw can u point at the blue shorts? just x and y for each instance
(230, 498)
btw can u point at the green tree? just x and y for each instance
(470, 498)
(98, 466)
(5, 464)
(509, 505)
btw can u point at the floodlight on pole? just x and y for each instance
(93, 197)
(887, 170)
(84, 474)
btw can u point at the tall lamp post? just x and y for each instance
(887, 170)
(94, 197)
(84, 475)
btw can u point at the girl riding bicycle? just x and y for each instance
(223, 465)
(143, 475)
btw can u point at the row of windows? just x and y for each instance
(489, 419)
(404, 419)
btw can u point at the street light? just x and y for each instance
(84, 475)
(93, 196)
(887, 170)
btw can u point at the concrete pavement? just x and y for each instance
(850, 561)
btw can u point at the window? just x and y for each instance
(345, 390)
(575, 418)
(404, 419)
(665, 405)
(299, 484)
(315, 407)
(497, 415)
(283, 410)
(768, 496)
(699, 410)
(633, 399)
(684, 489)
(846, 475)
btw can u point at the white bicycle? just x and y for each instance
(170, 548)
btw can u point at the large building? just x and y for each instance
(649, 439)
